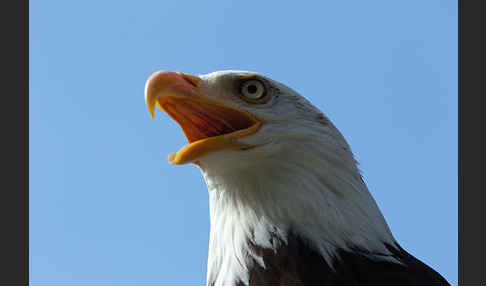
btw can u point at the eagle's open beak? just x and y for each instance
(208, 125)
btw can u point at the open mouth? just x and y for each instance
(208, 125)
(200, 120)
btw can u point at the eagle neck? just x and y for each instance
(328, 206)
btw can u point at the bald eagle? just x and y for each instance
(288, 205)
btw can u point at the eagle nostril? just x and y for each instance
(192, 80)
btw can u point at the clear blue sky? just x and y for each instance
(105, 206)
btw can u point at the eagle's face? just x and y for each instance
(238, 118)
(272, 162)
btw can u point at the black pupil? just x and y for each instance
(252, 88)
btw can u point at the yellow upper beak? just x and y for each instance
(208, 125)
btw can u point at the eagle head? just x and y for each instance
(274, 166)
(240, 119)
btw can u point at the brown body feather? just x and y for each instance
(295, 263)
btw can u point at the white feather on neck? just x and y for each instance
(315, 191)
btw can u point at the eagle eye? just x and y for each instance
(253, 90)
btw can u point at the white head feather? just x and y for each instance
(300, 176)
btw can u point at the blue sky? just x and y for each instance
(105, 206)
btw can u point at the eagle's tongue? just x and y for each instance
(201, 120)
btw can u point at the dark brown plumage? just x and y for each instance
(297, 264)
